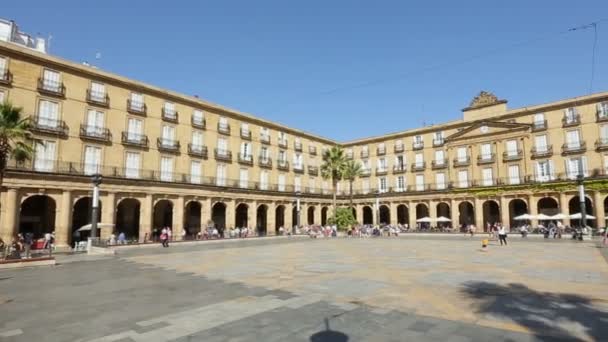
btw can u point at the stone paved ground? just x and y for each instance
(405, 289)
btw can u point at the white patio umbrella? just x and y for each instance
(559, 216)
(544, 217)
(524, 217)
(87, 227)
(578, 216)
(443, 219)
(424, 220)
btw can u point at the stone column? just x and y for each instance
(533, 210)
(303, 214)
(146, 218)
(433, 212)
(10, 217)
(479, 215)
(563, 207)
(393, 206)
(318, 209)
(252, 215)
(108, 214)
(271, 219)
(63, 221)
(178, 218)
(454, 215)
(375, 212)
(359, 209)
(504, 210)
(230, 214)
(288, 217)
(205, 212)
(598, 205)
(412, 209)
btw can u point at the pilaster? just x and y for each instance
(9, 216)
(108, 214)
(145, 226)
(63, 220)
(178, 218)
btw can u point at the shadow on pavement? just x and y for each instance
(549, 316)
(328, 335)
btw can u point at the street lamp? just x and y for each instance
(378, 207)
(95, 206)
(580, 179)
(297, 213)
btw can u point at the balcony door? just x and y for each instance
(48, 114)
(95, 122)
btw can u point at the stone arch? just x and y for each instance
(548, 206)
(241, 215)
(82, 214)
(466, 213)
(192, 219)
(279, 214)
(262, 219)
(324, 211)
(403, 214)
(384, 214)
(163, 214)
(310, 215)
(218, 215)
(37, 215)
(574, 207)
(443, 209)
(517, 207)
(491, 213)
(127, 218)
(368, 215)
(422, 210)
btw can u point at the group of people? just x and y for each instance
(22, 244)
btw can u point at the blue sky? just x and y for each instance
(328, 66)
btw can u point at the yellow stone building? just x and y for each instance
(173, 160)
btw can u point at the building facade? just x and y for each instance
(174, 160)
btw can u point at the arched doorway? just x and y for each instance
(466, 214)
(82, 214)
(491, 214)
(311, 215)
(368, 215)
(218, 216)
(422, 211)
(574, 207)
(443, 209)
(403, 215)
(279, 214)
(324, 215)
(605, 210)
(163, 215)
(261, 217)
(517, 207)
(127, 218)
(37, 216)
(192, 222)
(240, 215)
(548, 206)
(385, 214)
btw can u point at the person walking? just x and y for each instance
(502, 235)
(121, 238)
(27, 244)
(47, 240)
(164, 238)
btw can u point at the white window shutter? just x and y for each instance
(551, 170)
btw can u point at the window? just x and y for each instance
(197, 141)
(223, 123)
(220, 175)
(606, 163)
(95, 122)
(48, 114)
(2, 96)
(168, 135)
(417, 141)
(544, 170)
(573, 139)
(602, 109)
(169, 110)
(92, 160)
(264, 180)
(349, 152)
(281, 182)
(574, 166)
(461, 154)
(134, 129)
(45, 156)
(539, 120)
(325, 186)
(245, 129)
(264, 154)
(400, 162)
(137, 102)
(382, 185)
(297, 161)
(514, 174)
(195, 171)
(381, 148)
(486, 151)
(246, 151)
(282, 138)
(438, 138)
(439, 157)
(511, 148)
(419, 182)
(604, 133)
(264, 133)
(570, 114)
(297, 184)
(3, 67)
(98, 92)
(540, 142)
(166, 169)
(243, 178)
(440, 180)
(365, 185)
(365, 165)
(132, 165)
(197, 117)
(400, 183)
(419, 160)
(222, 145)
(282, 157)
(463, 178)
(399, 145)
(487, 177)
(381, 164)
(311, 185)
(51, 80)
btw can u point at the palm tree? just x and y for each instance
(15, 137)
(352, 170)
(333, 168)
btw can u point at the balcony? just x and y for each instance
(570, 121)
(95, 133)
(313, 170)
(283, 165)
(602, 114)
(6, 78)
(52, 88)
(168, 145)
(438, 164)
(197, 151)
(349, 155)
(46, 126)
(466, 161)
(199, 123)
(399, 168)
(418, 167)
(137, 108)
(298, 168)
(541, 152)
(98, 98)
(417, 146)
(381, 171)
(265, 139)
(170, 115)
(223, 128)
(399, 148)
(601, 144)
(283, 143)
(245, 159)
(364, 154)
(265, 162)
(134, 140)
(486, 159)
(312, 150)
(366, 172)
(512, 155)
(297, 146)
(538, 126)
(380, 151)
(574, 148)
(245, 134)
(223, 155)
(438, 142)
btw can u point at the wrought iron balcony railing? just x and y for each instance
(168, 145)
(95, 133)
(135, 140)
(541, 151)
(42, 125)
(98, 98)
(466, 161)
(512, 155)
(51, 87)
(223, 155)
(197, 151)
(170, 115)
(573, 148)
(136, 107)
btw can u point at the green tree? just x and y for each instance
(333, 169)
(344, 218)
(15, 137)
(352, 170)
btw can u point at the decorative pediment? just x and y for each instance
(484, 99)
(485, 128)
